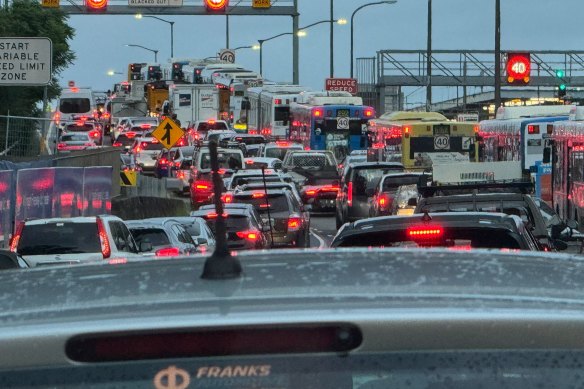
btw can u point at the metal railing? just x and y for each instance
(23, 136)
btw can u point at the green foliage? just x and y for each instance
(27, 18)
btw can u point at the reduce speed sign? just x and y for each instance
(442, 142)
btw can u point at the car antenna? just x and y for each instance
(221, 265)
(268, 204)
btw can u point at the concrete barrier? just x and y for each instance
(131, 208)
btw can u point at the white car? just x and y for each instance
(145, 151)
(260, 162)
(74, 240)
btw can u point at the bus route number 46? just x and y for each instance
(442, 142)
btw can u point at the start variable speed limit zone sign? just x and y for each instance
(168, 133)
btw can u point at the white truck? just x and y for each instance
(193, 103)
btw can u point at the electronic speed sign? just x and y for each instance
(518, 68)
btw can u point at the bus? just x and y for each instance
(335, 121)
(566, 155)
(420, 139)
(270, 109)
(518, 134)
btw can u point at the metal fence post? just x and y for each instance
(7, 130)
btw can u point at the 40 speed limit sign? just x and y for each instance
(442, 142)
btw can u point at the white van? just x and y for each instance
(75, 103)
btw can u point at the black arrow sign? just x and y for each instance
(166, 137)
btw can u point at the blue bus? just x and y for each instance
(335, 121)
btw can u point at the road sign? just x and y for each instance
(25, 61)
(155, 3)
(343, 123)
(50, 3)
(168, 133)
(261, 4)
(227, 55)
(342, 84)
(128, 178)
(442, 142)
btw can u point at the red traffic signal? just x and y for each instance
(518, 68)
(96, 5)
(216, 5)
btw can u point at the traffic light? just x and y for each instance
(96, 5)
(560, 74)
(216, 5)
(518, 68)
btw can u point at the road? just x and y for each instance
(322, 230)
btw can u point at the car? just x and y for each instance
(183, 162)
(357, 188)
(247, 176)
(282, 213)
(519, 204)
(125, 140)
(355, 156)
(200, 232)
(455, 230)
(259, 185)
(265, 163)
(230, 160)
(140, 124)
(245, 229)
(219, 135)
(165, 236)
(58, 241)
(278, 149)
(90, 127)
(385, 192)
(145, 151)
(248, 139)
(75, 141)
(117, 127)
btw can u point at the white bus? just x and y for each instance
(270, 109)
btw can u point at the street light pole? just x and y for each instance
(353, 20)
(429, 60)
(497, 54)
(295, 46)
(332, 41)
(261, 42)
(171, 23)
(146, 48)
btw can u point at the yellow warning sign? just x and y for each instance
(261, 4)
(128, 178)
(168, 133)
(50, 3)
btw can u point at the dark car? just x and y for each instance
(245, 229)
(357, 188)
(455, 230)
(384, 196)
(280, 211)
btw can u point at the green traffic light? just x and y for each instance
(562, 86)
(560, 73)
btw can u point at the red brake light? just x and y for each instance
(145, 125)
(130, 134)
(117, 144)
(16, 238)
(144, 145)
(369, 112)
(476, 129)
(311, 192)
(106, 250)
(329, 188)
(283, 144)
(227, 198)
(383, 201)
(162, 161)
(211, 121)
(317, 113)
(202, 186)
(425, 232)
(350, 194)
(167, 252)
(250, 235)
(94, 134)
(532, 129)
(258, 195)
(61, 146)
(249, 161)
(294, 223)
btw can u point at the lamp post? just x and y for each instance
(353, 19)
(140, 16)
(146, 48)
(113, 73)
(301, 33)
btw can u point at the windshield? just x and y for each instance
(391, 184)
(75, 138)
(59, 238)
(74, 105)
(156, 236)
(274, 203)
(227, 160)
(279, 152)
(206, 127)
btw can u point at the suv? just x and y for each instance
(358, 187)
(201, 188)
(280, 211)
(165, 236)
(386, 190)
(278, 149)
(73, 240)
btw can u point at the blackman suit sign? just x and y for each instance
(25, 61)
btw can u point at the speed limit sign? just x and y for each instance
(343, 123)
(442, 142)
(227, 55)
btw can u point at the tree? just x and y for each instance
(27, 18)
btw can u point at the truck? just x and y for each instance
(194, 102)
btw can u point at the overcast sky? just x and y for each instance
(458, 24)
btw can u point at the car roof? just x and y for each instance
(238, 211)
(271, 192)
(481, 197)
(79, 219)
(373, 165)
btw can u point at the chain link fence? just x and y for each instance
(23, 136)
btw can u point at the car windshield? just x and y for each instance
(75, 138)
(59, 238)
(279, 152)
(227, 160)
(509, 208)
(74, 105)
(391, 184)
(273, 204)
(206, 127)
(233, 223)
(364, 179)
(156, 236)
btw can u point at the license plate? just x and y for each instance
(343, 113)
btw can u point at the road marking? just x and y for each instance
(320, 240)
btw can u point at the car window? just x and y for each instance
(227, 160)
(391, 184)
(74, 105)
(121, 237)
(364, 179)
(74, 138)
(193, 229)
(275, 203)
(59, 238)
(156, 236)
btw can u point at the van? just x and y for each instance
(76, 103)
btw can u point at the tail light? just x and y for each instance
(383, 201)
(311, 192)
(16, 237)
(61, 146)
(369, 112)
(94, 134)
(106, 250)
(202, 185)
(350, 195)
(258, 195)
(317, 113)
(329, 188)
(130, 134)
(162, 161)
(294, 223)
(180, 174)
(406, 131)
(250, 235)
(177, 164)
(145, 126)
(425, 232)
(227, 198)
(168, 252)
(117, 144)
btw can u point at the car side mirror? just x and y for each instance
(547, 155)
(145, 246)
(8, 260)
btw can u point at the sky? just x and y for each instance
(457, 24)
